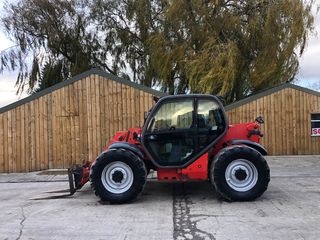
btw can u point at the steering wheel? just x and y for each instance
(172, 128)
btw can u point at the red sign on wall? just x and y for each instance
(315, 132)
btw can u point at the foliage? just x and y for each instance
(54, 34)
(232, 48)
(226, 47)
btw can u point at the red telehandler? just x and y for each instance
(184, 138)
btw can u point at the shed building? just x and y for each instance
(292, 118)
(69, 122)
(72, 121)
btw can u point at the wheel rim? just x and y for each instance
(241, 175)
(117, 177)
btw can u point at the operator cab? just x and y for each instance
(180, 129)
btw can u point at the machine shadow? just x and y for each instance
(195, 190)
(164, 191)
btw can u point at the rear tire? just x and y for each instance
(239, 173)
(118, 176)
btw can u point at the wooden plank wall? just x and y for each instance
(287, 115)
(69, 125)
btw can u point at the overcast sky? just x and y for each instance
(308, 75)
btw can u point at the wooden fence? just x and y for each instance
(69, 125)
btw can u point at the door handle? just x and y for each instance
(153, 137)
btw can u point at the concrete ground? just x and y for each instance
(290, 209)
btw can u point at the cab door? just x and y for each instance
(169, 136)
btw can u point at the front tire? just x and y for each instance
(239, 173)
(118, 176)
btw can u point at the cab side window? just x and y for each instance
(210, 122)
(172, 116)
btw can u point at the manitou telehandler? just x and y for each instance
(184, 138)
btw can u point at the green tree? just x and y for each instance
(226, 47)
(55, 36)
(231, 48)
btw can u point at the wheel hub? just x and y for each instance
(117, 176)
(241, 175)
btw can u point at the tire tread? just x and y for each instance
(140, 176)
(216, 168)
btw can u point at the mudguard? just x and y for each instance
(127, 146)
(251, 144)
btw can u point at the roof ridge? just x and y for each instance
(269, 91)
(80, 76)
